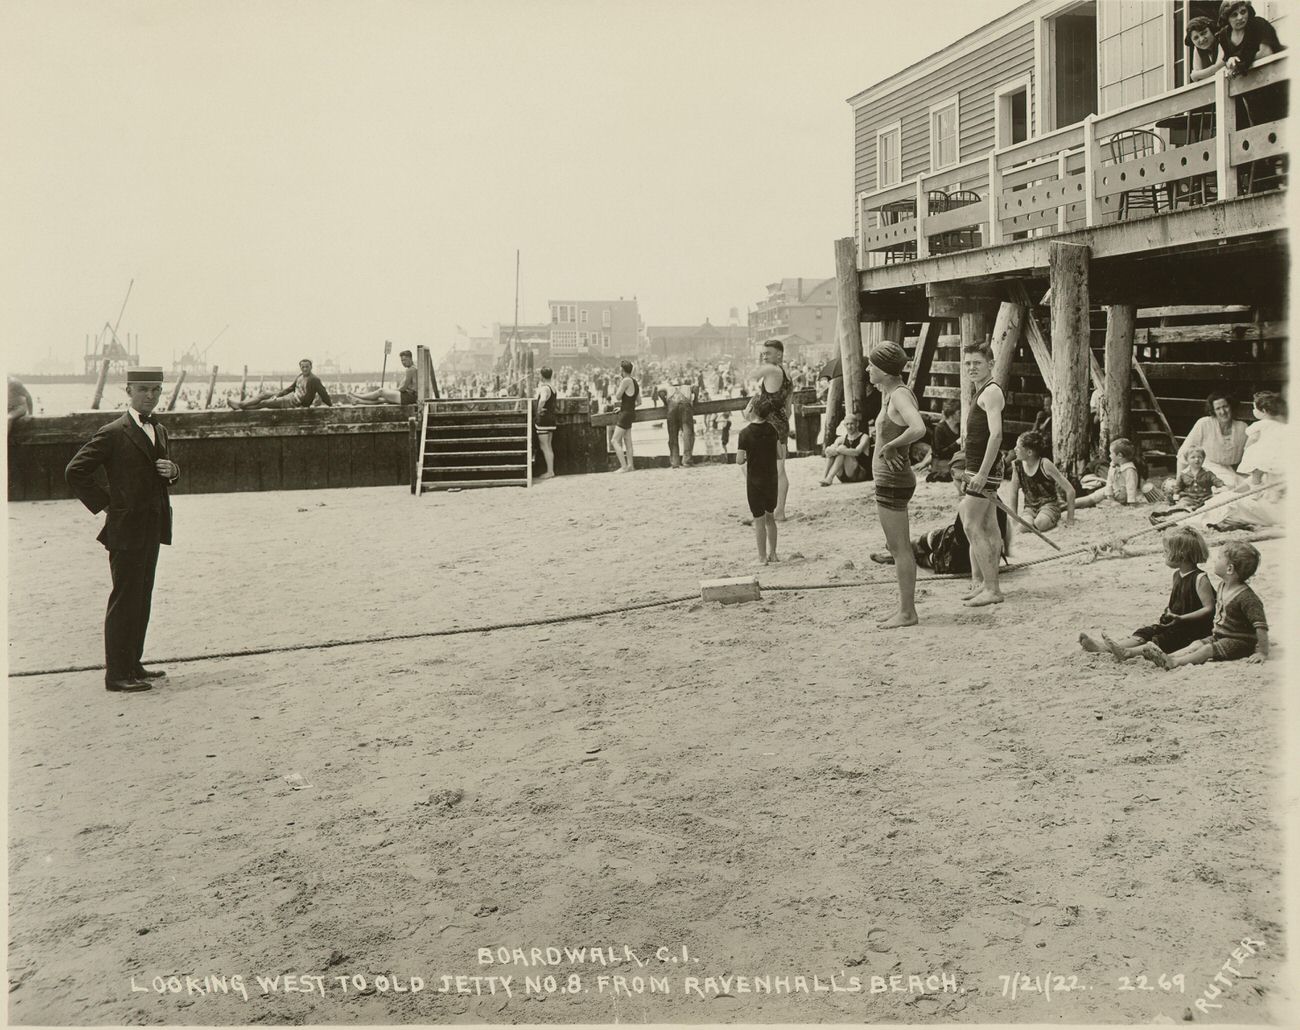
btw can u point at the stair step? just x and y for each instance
(478, 439)
(446, 484)
(431, 469)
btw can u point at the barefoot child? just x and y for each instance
(844, 456)
(1040, 481)
(1187, 618)
(756, 451)
(1240, 626)
(1193, 486)
(1123, 484)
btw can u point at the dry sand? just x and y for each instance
(778, 787)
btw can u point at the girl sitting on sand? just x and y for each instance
(1189, 615)
(1042, 484)
(1123, 484)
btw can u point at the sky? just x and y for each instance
(311, 179)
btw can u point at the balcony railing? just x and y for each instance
(1210, 141)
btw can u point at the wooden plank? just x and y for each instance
(922, 360)
(1034, 335)
(1229, 332)
(1187, 310)
(1158, 169)
(1257, 143)
(338, 460)
(1262, 217)
(1045, 196)
(1146, 386)
(1222, 371)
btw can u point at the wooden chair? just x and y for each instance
(1130, 145)
(962, 239)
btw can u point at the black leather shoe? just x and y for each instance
(149, 674)
(126, 686)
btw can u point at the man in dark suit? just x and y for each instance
(133, 453)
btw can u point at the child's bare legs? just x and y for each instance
(1123, 650)
(831, 452)
(899, 543)
(1192, 654)
(771, 536)
(1090, 643)
(1090, 500)
(760, 536)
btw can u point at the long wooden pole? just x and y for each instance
(243, 383)
(1071, 331)
(212, 385)
(973, 328)
(99, 386)
(849, 324)
(171, 401)
(1006, 336)
(1120, 320)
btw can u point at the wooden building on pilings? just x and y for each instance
(1141, 250)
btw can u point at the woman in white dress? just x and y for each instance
(1220, 436)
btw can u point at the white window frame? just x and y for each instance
(954, 102)
(1002, 110)
(605, 318)
(896, 127)
(582, 316)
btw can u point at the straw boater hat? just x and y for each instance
(144, 374)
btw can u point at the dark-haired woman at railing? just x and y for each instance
(1244, 36)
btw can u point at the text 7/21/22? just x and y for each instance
(1015, 985)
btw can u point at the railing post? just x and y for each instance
(922, 209)
(995, 200)
(1225, 124)
(1091, 164)
(1062, 170)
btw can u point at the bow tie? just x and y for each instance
(148, 420)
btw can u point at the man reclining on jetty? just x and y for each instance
(404, 394)
(298, 394)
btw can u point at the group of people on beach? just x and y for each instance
(1198, 624)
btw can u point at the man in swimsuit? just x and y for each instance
(301, 393)
(982, 477)
(545, 423)
(775, 383)
(404, 394)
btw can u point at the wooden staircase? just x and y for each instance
(475, 443)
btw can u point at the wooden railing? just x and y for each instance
(1070, 179)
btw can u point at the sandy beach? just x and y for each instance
(766, 792)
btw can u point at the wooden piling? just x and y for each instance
(99, 385)
(974, 329)
(243, 383)
(1120, 321)
(171, 401)
(212, 385)
(1006, 338)
(1068, 265)
(849, 324)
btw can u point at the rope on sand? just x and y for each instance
(1114, 549)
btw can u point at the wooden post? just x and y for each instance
(1092, 158)
(1225, 124)
(243, 383)
(1006, 336)
(212, 385)
(1068, 265)
(171, 401)
(922, 210)
(1120, 319)
(892, 331)
(99, 386)
(974, 329)
(995, 201)
(849, 326)
(926, 342)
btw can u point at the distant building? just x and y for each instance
(595, 328)
(701, 342)
(535, 337)
(470, 355)
(804, 308)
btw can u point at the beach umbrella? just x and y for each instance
(832, 370)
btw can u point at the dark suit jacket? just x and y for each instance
(139, 511)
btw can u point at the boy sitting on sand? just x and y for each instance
(1240, 626)
(756, 451)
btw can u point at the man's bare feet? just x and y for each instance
(984, 597)
(974, 590)
(1088, 644)
(547, 475)
(1121, 653)
(772, 557)
(1152, 653)
(899, 620)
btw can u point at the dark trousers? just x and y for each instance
(681, 419)
(127, 618)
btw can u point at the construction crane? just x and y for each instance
(195, 360)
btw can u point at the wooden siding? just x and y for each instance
(973, 77)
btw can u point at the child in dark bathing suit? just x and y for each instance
(1189, 615)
